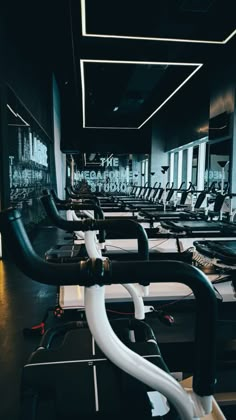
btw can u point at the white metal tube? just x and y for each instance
(74, 216)
(139, 311)
(94, 252)
(145, 290)
(91, 246)
(88, 213)
(70, 217)
(129, 361)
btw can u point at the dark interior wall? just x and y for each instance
(158, 156)
(186, 115)
(114, 141)
(23, 61)
(211, 91)
(222, 92)
(223, 103)
(26, 68)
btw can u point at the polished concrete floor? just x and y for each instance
(23, 303)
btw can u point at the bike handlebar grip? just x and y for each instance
(71, 226)
(18, 245)
(79, 196)
(84, 205)
(101, 272)
(57, 199)
(91, 224)
(37, 268)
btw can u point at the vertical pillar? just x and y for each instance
(189, 164)
(201, 166)
(72, 171)
(180, 164)
(171, 174)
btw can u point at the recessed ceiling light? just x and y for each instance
(144, 38)
(196, 66)
(116, 108)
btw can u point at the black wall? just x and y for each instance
(185, 117)
(222, 93)
(24, 55)
(25, 66)
(114, 141)
(211, 91)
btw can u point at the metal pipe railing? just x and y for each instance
(102, 272)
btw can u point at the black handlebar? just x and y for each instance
(191, 187)
(91, 224)
(101, 272)
(56, 198)
(51, 210)
(181, 185)
(69, 203)
(82, 196)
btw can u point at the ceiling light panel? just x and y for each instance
(185, 72)
(158, 21)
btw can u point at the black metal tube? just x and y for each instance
(71, 226)
(89, 224)
(57, 199)
(143, 272)
(82, 196)
(81, 205)
(19, 246)
(69, 202)
(206, 309)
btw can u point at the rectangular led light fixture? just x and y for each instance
(143, 38)
(196, 67)
(17, 116)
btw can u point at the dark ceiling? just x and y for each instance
(153, 48)
(121, 95)
(204, 20)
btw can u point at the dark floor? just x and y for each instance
(23, 303)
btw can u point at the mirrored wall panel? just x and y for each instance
(110, 172)
(29, 161)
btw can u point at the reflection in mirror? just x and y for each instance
(195, 165)
(109, 172)
(218, 164)
(29, 161)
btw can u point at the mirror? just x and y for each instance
(29, 161)
(110, 172)
(219, 151)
